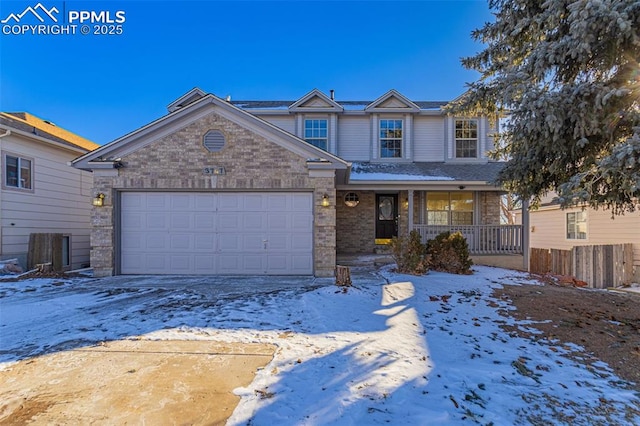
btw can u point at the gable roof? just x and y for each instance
(315, 101)
(108, 156)
(184, 100)
(392, 101)
(28, 124)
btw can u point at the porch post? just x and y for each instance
(525, 234)
(410, 212)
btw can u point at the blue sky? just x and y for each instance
(104, 86)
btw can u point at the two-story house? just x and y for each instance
(279, 187)
(40, 193)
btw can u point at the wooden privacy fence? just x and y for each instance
(599, 266)
(45, 248)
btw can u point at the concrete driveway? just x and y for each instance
(76, 351)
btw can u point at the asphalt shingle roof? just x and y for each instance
(348, 105)
(427, 171)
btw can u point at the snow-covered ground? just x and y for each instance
(393, 349)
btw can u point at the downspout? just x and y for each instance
(7, 132)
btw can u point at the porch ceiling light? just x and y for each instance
(98, 201)
(325, 200)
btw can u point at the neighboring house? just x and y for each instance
(279, 187)
(40, 192)
(554, 228)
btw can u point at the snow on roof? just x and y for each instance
(433, 171)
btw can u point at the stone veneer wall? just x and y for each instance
(489, 207)
(356, 226)
(176, 162)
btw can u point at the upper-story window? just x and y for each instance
(18, 172)
(315, 132)
(466, 138)
(391, 138)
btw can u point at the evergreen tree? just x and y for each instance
(567, 74)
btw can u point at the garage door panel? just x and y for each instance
(300, 222)
(132, 201)
(300, 263)
(301, 242)
(228, 202)
(181, 202)
(181, 221)
(157, 201)
(216, 233)
(181, 242)
(253, 264)
(181, 264)
(156, 221)
(229, 242)
(156, 242)
(205, 241)
(301, 203)
(132, 221)
(252, 243)
(253, 221)
(278, 222)
(204, 264)
(132, 240)
(253, 202)
(204, 222)
(229, 222)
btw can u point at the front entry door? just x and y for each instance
(386, 217)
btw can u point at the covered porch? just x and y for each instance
(476, 215)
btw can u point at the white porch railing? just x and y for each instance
(482, 239)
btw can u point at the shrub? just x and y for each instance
(409, 254)
(449, 253)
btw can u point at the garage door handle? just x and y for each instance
(265, 243)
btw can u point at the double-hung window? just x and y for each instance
(577, 226)
(315, 133)
(466, 135)
(391, 138)
(18, 172)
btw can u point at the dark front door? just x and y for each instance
(386, 216)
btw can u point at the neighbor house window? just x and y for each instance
(450, 208)
(315, 133)
(18, 172)
(466, 135)
(66, 251)
(577, 226)
(391, 138)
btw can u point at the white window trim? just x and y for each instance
(4, 172)
(402, 139)
(566, 226)
(477, 138)
(328, 137)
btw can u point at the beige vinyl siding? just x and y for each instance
(428, 139)
(60, 201)
(285, 123)
(354, 138)
(548, 230)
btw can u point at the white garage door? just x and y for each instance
(216, 233)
